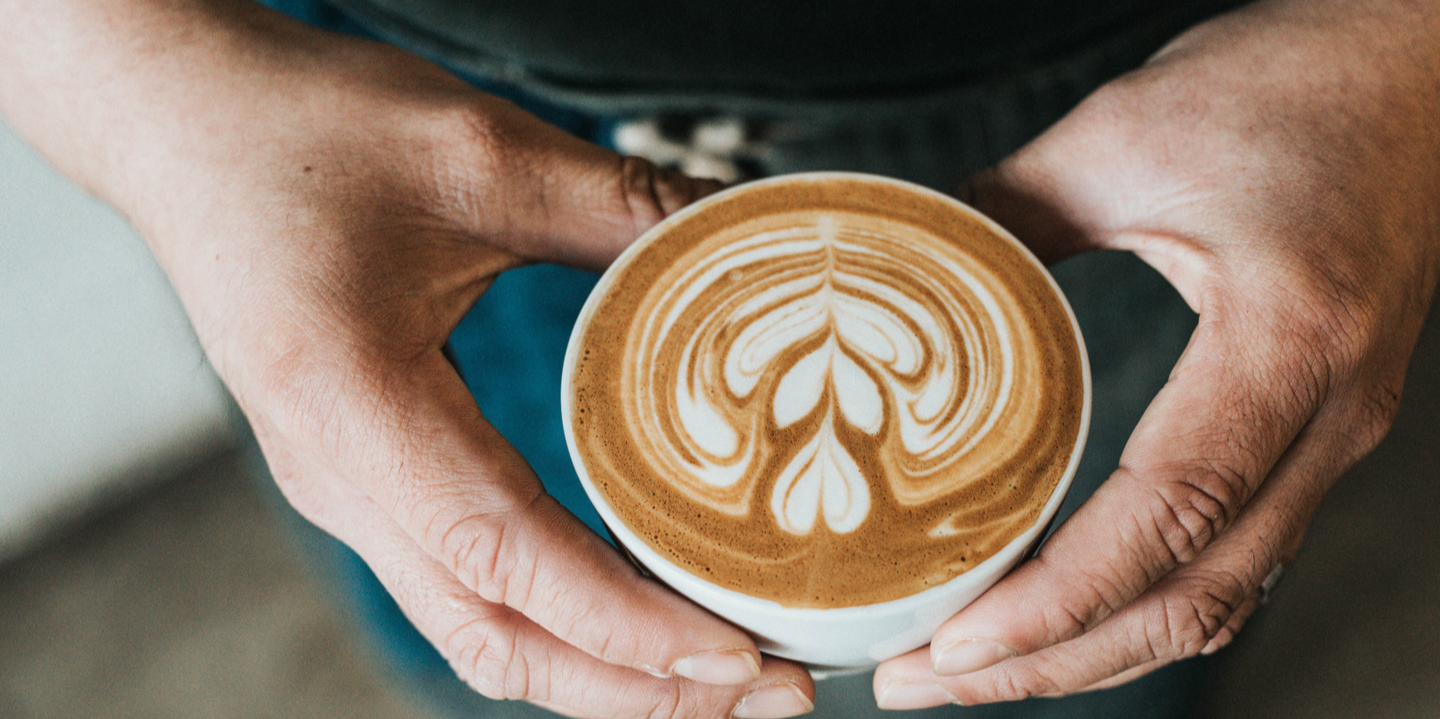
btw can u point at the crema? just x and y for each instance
(827, 393)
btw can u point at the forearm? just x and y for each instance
(167, 108)
(114, 93)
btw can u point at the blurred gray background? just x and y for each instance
(143, 573)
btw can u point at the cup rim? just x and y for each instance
(648, 557)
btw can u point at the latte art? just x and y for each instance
(828, 401)
(825, 322)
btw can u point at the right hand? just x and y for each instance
(328, 209)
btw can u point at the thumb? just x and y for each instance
(547, 196)
(1066, 192)
(1030, 202)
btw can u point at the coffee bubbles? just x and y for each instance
(832, 393)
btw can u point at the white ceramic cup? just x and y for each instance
(844, 638)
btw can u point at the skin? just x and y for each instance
(1280, 166)
(328, 208)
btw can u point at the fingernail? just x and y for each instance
(773, 702)
(970, 655)
(724, 667)
(914, 695)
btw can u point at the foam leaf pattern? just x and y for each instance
(802, 387)
(836, 330)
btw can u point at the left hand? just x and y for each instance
(1280, 166)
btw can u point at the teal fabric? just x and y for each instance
(510, 349)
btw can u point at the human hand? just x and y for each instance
(1280, 167)
(328, 209)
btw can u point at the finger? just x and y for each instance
(1159, 627)
(1233, 625)
(1202, 606)
(1173, 620)
(1221, 639)
(415, 442)
(503, 655)
(551, 197)
(1194, 609)
(1224, 637)
(1201, 450)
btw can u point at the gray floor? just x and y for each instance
(188, 602)
(191, 601)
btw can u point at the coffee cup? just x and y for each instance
(831, 408)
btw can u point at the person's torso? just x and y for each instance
(772, 48)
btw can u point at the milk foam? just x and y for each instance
(831, 376)
(870, 346)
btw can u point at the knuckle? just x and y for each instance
(331, 400)
(1194, 616)
(477, 162)
(1018, 685)
(484, 550)
(473, 134)
(1099, 597)
(489, 660)
(1232, 627)
(1330, 316)
(1009, 683)
(1084, 600)
(1195, 507)
(1186, 632)
(1333, 328)
(639, 191)
(1066, 619)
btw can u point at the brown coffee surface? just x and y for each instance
(827, 392)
